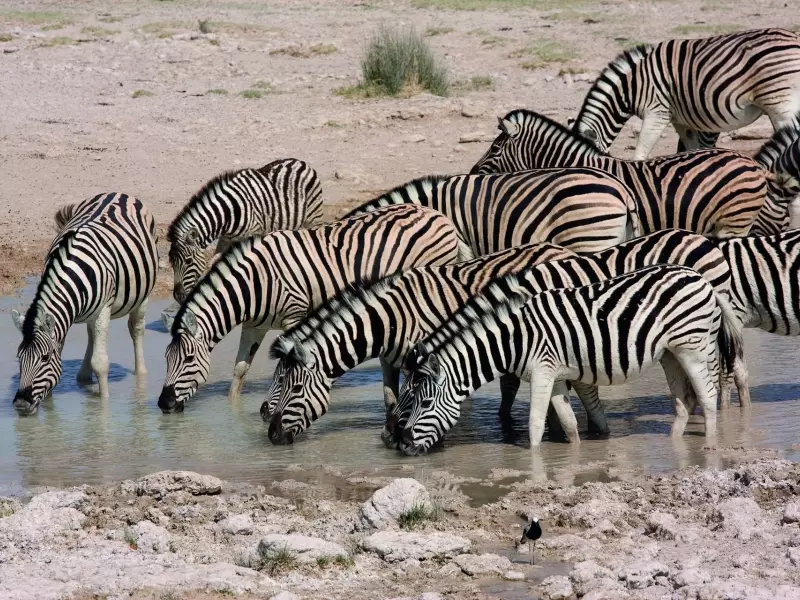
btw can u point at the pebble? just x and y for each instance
(414, 138)
(10, 49)
(471, 138)
(514, 576)
(791, 512)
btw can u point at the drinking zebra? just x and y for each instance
(606, 333)
(274, 281)
(385, 320)
(717, 192)
(582, 209)
(780, 155)
(707, 85)
(284, 194)
(102, 265)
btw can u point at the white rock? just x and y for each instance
(44, 517)
(794, 556)
(691, 577)
(791, 512)
(587, 571)
(606, 594)
(556, 587)
(10, 49)
(474, 564)
(388, 503)
(156, 516)
(395, 546)
(641, 574)
(662, 525)
(306, 548)
(471, 111)
(162, 483)
(151, 538)
(471, 138)
(414, 138)
(514, 576)
(449, 570)
(237, 525)
(430, 596)
(284, 595)
(741, 516)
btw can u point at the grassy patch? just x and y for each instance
(588, 17)
(163, 29)
(497, 4)
(141, 94)
(494, 40)
(474, 84)
(169, 595)
(264, 86)
(252, 94)
(34, 18)
(305, 51)
(399, 63)
(340, 560)
(418, 515)
(572, 71)
(131, 538)
(209, 26)
(6, 37)
(545, 52)
(277, 560)
(99, 31)
(58, 41)
(333, 124)
(706, 29)
(434, 31)
(628, 43)
(109, 19)
(218, 91)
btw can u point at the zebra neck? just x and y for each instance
(56, 300)
(208, 229)
(773, 216)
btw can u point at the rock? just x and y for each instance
(449, 570)
(156, 516)
(741, 516)
(409, 568)
(662, 526)
(151, 538)
(471, 138)
(642, 574)
(794, 556)
(237, 525)
(690, 577)
(46, 516)
(791, 512)
(604, 527)
(556, 587)
(182, 37)
(10, 49)
(414, 138)
(606, 594)
(586, 514)
(285, 596)
(514, 576)
(430, 596)
(583, 77)
(387, 504)
(162, 483)
(395, 546)
(471, 111)
(474, 564)
(306, 548)
(586, 571)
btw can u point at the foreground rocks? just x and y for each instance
(694, 535)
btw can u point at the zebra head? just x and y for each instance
(426, 406)
(188, 359)
(39, 357)
(299, 395)
(504, 155)
(188, 259)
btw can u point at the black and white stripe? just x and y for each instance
(284, 194)
(387, 318)
(717, 192)
(781, 155)
(101, 266)
(705, 85)
(582, 209)
(274, 281)
(606, 333)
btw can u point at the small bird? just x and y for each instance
(532, 533)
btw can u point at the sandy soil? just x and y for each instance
(72, 123)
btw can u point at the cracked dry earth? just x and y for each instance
(698, 534)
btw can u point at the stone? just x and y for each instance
(791, 512)
(237, 525)
(387, 504)
(662, 526)
(396, 546)
(430, 596)
(472, 138)
(10, 49)
(449, 570)
(307, 549)
(409, 568)
(156, 516)
(793, 555)
(740, 516)
(586, 514)
(162, 483)
(556, 587)
(414, 138)
(514, 576)
(284, 595)
(44, 517)
(606, 594)
(471, 111)
(586, 572)
(690, 577)
(640, 575)
(151, 538)
(482, 564)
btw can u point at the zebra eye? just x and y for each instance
(46, 357)
(297, 388)
(427, 403)
(188, 358)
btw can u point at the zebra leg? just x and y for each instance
(541, 391)
(136, 328)
(707, 139)
(741, 376)
(85, 372)
(391, 384)
(687, 138)
(509, 386)
(697, 372)
(676, 380)
(596, 417)
(100, 362)
(553, 425)
(559, 400)
(249, 343)
(653, 126)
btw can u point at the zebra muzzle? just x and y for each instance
(24, 403)
(277, 435)
(168, 401)
(265, 416)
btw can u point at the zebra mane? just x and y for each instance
(781, 139)
(523, 116)
(56, 254)
(623, 64)
(400, 194)
(64, 215)
(223, 179)
(298, 341)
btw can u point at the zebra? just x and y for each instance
(718, 192)
(284, 194)
(386, 319)
(605, 333)
(707, 85)
(102, 265)
(781, 155)
(582, 209)
(274, 281)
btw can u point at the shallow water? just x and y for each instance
(76, 438)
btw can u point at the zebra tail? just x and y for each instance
(63, 216)
(730, 339)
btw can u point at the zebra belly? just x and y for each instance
(585, 371)
(736, 120)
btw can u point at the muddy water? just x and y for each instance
(77, 438)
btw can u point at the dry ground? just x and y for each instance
(133, 95)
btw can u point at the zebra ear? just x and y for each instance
(510, 128)
(167, 320)
(570, 122)
(193, 237)
(432, 367)
(190, 324)
(589, 134)
(416, 356)
(19, 320)
(48, 323)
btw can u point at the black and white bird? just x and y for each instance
(531, 533)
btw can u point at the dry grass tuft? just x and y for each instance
(305, 51)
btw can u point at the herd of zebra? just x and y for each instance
(551, 262)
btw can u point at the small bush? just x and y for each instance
(419, 515)
(493, 40)
(109, 19)
(34, 18)
(99, 31)
(344, 560)
(218, 91)
(333, 124)
(252, 94)
(276, 561)
(474, 83)
(141, 94)
(59, 41)
(433, 31)
(6, 37)
(498, 4)
(169, 595)
(206, 26)
(544, 53)
(400, 62)
(131, 538)
(214, 42)
(163, 29)
(264, 86)
(323, 561)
